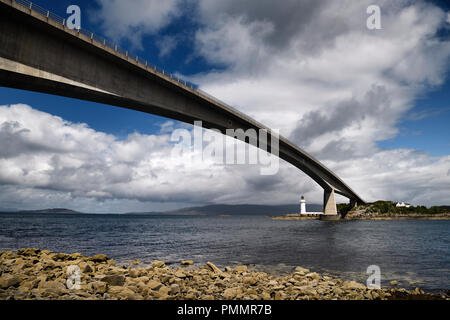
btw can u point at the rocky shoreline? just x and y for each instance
(34, 274)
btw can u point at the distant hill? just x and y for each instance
(242, 209)
(54, 211)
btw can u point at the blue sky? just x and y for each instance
(397, 105)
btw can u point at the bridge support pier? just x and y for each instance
(329, 203)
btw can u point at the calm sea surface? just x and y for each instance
(415, 253)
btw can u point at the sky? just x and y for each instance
(372, 105)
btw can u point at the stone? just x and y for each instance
(98, 258)
(313, 275)
(250, 280)
(180, 274)
(240, 268)
(187, 262)
(230, 293)
(60, 256)
(164, 291)
(273, 283)
(301, 270)
(174, 289)
(97, 287)
(7, 281)
(353, 285)
(122, 293)
(114, 280)
(154, 285)
(133, 273)
(213, 268)
(54, 287)
(158, 264)
(28, 252)
(393, 283)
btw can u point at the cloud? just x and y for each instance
(135, 18)
(309, 68)
(93, 171)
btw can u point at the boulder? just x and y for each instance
(98, 258)
(114, 280)
(231, 293)
(158, 264)
(301, 271)
(353, 285)
(97, 287)
(7, 281)
(174, 289)
(240, 268)
(154, 285)
(187, 262)
(28, 252)
(213, 268)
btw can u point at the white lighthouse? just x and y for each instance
(302, 205)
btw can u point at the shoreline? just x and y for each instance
(34, 274)
(358, 218)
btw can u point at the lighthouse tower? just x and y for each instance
(302, 205)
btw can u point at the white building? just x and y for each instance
(402, 205)
(302, 205)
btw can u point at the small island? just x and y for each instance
(380, 210)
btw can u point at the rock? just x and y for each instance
(133, 273)
(75, 256)
(393, 283)
(228, 269)
(338, 291)
(301, 270)
(250, 280)
(28, 252)
(97, 287)
(213, 268)
(121, 293)
(98, 258)
(7, 281)
(240, 268)
(353, 285)
(273, 283)
(230, 293)
(187, 262)
(158, 264)
(174, 288)
(164, 291)
(135, 262)
(54, 287)
(180, 274)
(313, 275)
(60, 256)
(114, 280)
(87, 269)
(154, 285)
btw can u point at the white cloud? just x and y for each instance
(134, 18)
(310, 68)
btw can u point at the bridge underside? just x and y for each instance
(41, 55)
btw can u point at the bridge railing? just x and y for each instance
(114, 46)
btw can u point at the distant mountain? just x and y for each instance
(242, 209)
(54, 210)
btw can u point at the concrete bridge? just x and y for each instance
(39, 53)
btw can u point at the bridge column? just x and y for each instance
(329, 203)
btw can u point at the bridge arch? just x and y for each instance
(41, 54)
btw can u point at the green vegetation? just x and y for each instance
(389, 207)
